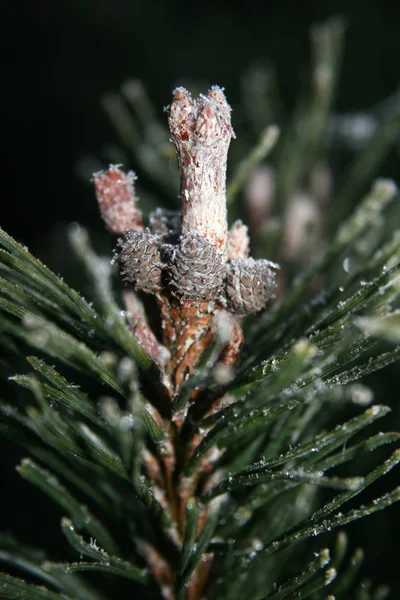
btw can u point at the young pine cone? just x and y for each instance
(165, 223)
(196, 271)
(249, 285)
(140, 260)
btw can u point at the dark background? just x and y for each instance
(60, 56)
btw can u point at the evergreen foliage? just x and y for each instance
(279, 445)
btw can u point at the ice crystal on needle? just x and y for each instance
(207, 458)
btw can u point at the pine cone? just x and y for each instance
(196, 268)
(165, 222)
(249, 285)
(140, 260)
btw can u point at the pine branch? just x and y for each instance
(189, 435)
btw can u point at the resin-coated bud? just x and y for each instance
(140, 260)
(201, 131)
(249, 285)
(196, 271)
(117, 202)
(238, 241)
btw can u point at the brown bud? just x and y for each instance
(117, 202)
(249, 285)
(196, 268)
(238, 241)
(140, 260)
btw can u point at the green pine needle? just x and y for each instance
(213, 489)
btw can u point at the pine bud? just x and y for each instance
(238, 241)
(117, 202)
